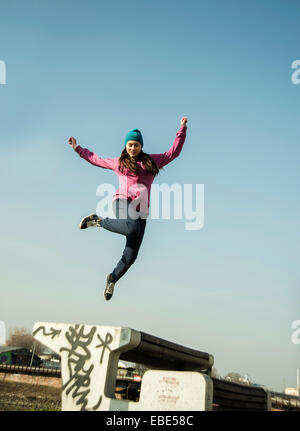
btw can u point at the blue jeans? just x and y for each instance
(132, 228)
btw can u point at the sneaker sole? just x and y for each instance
(110, 294)
(84, 223)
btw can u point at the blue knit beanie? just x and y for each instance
(134, 135)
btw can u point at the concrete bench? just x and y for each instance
(178, 378)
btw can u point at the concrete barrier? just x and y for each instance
(240, 397)
(178, 378)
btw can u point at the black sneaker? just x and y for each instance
(90, 220)
(109, 290)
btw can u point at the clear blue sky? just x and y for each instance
(96, 70)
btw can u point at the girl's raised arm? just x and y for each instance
(93, 158)
(164, 158)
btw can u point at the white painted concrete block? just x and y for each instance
(176, 390)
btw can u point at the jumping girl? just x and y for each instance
(136, 171)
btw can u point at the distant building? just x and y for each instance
(17, 356)
(291, 391)
(49, 354)
(50, 359)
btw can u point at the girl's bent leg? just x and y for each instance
(133, 243)
(124, 227)
(122, 224)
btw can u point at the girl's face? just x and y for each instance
(133, 148)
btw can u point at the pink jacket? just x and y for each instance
(131, 185)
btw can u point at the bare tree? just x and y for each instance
(234, 377)
(20, 337)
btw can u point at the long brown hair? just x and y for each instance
(125, 161)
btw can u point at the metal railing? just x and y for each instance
(26, 369)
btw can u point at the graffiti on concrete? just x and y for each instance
(79, 378)
(53, 333)
(104, 344)
(79, 342)
(78, 384)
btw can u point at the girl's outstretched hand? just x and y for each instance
(183, 121)
(72, 141)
